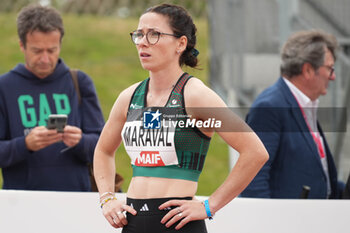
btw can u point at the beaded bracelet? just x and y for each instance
(105, 194)
(107, 200)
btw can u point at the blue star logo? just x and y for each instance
(152, 120)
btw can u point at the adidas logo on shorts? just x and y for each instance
(144, 207)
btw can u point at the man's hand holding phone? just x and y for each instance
(41, 136)
(55, 131)
(57, 121)
(71, 135)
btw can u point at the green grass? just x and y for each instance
(101, 47)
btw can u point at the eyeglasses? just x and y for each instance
(330, 68)
(152, 36)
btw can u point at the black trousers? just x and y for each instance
(148, 217)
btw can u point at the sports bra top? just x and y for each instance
(164, 141)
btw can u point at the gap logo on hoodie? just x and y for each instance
(27, 106)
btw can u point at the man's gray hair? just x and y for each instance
(306, 47)
(38, 18)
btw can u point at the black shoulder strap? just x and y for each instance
(74, 74)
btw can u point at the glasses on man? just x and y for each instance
(330, 68)
(152, 36)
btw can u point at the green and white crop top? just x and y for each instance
(161, 141)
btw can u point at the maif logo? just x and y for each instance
(151, 120)
(149, 159)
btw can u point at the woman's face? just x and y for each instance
(159, 56)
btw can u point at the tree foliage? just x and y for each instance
(120, 8)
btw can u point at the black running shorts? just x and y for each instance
(148, 217)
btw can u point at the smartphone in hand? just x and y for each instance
(57, 121)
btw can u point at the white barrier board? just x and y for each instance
(77, 212)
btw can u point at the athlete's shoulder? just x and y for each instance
(197, 85)
(194, 81)
(125, 96)
(202, 96)
(129, 91)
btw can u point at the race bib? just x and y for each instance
(149, 140)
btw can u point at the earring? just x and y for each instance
(178, 51)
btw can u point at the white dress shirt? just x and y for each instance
(309, 108)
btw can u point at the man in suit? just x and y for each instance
(285, 118)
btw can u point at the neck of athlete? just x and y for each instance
(163, 79)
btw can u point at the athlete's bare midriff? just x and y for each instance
(154, 187)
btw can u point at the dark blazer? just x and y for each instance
(294, 159)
